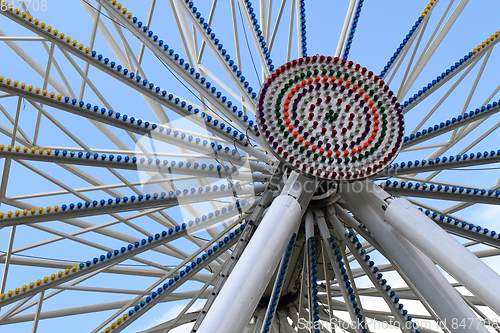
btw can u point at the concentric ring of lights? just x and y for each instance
(330, 118)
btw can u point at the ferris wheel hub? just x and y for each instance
(330, 118)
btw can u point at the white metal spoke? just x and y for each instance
(424, 58)
(417, 29)
(260, 46)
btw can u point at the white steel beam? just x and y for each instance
(277, 24)
(430, 238)
(424, 58)
(334, 221)
(347, 25)
(290, 31)
(449, 126)
(448, 93)
(226, 245)
(396, 170)
(151, 93)
(181, 70)
(250, 276)
(89, 267)
(418, 268)
(120, 205)
(253, 33)
(153, 165)
(169, 275)
(150, 18)
(71, 311)
(37, 313)
(440, 193)
(325, 234)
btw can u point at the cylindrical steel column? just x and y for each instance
(238, 298)
(452, 256)
(365, 200)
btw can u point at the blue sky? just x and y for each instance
(382, 26)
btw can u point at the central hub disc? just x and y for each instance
(330, 118)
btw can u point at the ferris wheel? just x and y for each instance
(242, 172)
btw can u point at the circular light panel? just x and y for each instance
(330, 118)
